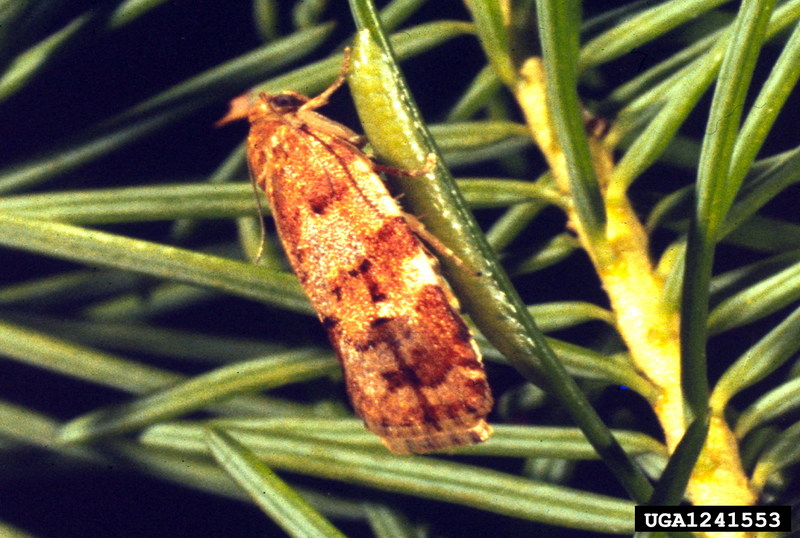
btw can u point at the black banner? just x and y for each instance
(712, 518)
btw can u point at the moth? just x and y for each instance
(413, 370)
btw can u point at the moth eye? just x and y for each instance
(285, 101)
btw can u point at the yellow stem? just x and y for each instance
(645, 318)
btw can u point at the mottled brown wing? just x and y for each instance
(413, 371)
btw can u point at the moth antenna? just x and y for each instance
(261, 225)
